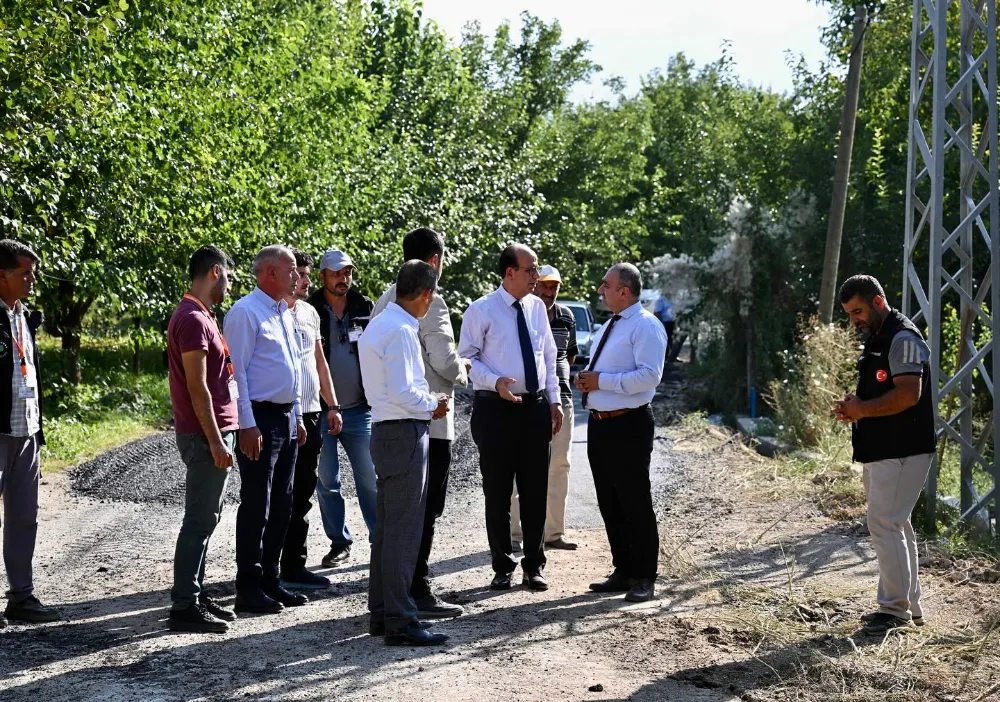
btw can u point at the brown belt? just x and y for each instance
(610, 414)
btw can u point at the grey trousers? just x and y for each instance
(203, 494)
(20, 474)
(893, 487)
(400, 454)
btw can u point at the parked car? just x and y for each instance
(586, 327)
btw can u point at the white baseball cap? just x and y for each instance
(334, 260)
(548, 273)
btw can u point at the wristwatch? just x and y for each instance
(333, 407)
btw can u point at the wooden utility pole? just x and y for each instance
(835, 227)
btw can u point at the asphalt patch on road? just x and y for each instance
(150, 470)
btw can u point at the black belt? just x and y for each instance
(529, 396)
(387, 422)
(611, 414)
(282, 407)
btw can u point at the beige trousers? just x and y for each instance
(893, 486)
(555, 510)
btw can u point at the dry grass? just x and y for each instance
(792, 636)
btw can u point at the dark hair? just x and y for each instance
(205, 259)
(11, 251)
(508, 257)
(422, 244)
(302, 259)
(414, 278)
(864, 285)
(629, 277)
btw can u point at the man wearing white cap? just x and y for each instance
(563, 326)
(343, 315)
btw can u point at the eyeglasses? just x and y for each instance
(530, 270)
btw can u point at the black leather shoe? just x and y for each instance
(642, 590)
(616, 582)
(535, 580)
(501, 581)
(256, 602)
(303, 579)
(287, 597)
(562, 544)
(31, 610)
(433, 607)
(336, 556)
(414, 635)
(196, 619)
(377, 628)
(217, 610)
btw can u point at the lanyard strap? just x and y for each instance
(225, 346)
(18, 341)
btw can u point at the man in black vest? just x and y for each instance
(892, 421)
(20, 433)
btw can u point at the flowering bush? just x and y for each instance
(817, 372)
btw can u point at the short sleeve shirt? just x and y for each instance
(307, 331)
(191, 329)
(908, 354)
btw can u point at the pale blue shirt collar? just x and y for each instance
(631, 310)
(407, 318)
(264, 299)
(507, 298)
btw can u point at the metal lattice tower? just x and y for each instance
(953, 227)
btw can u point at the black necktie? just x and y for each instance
(600, 347)
(527, 351)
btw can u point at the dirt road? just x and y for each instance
(758, 601)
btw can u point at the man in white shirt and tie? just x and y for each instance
(617, 388)
(516, 411)
(402, 408)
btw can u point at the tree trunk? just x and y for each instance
(71, 354)
(136, 346)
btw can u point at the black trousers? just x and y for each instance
(265, 500)
(513, 441)
(619, 451)
(293, 555)
(439, 467)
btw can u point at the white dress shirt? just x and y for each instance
(25, 419)
(489, 338)
(392, 369)
(307, 334)
(260, 332)
(631, 363)
(443, 368)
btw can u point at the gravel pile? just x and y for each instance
(150, 470)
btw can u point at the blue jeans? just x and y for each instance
(355, 437)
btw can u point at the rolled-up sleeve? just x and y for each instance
(649, 346)
(401, 356)
(470, 346)
(241, 335)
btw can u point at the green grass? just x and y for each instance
(110, 407)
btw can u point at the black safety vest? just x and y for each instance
(909, 433)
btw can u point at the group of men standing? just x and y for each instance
(292, 377)
(288, 380)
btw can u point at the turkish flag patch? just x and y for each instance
(881, 375)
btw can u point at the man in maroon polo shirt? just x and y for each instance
(203, 395)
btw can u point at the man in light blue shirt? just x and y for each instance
(402, 408)
(617, 388)
(260, 332)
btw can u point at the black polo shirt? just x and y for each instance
(563, 326)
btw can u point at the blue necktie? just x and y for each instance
(527, 351)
